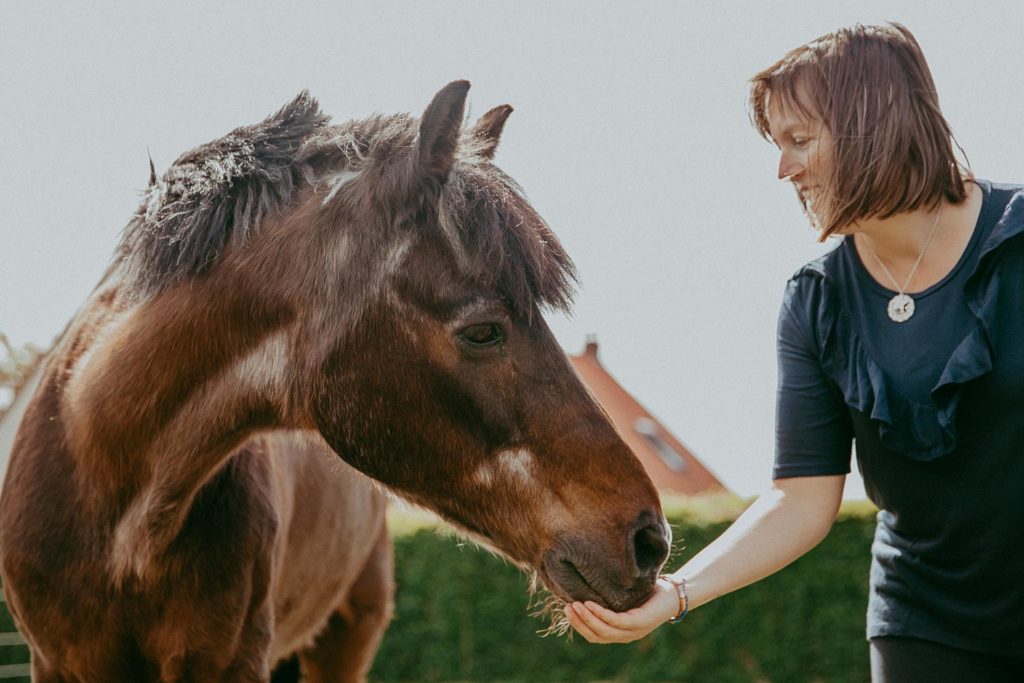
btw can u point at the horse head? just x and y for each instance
(395, 278)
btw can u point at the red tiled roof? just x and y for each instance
(671, 466)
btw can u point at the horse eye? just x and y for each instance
(479, 336)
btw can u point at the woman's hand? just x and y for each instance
(780, 526)
(600, 625)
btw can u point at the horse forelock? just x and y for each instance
(483, 215)
(215, 195)
(505, 238)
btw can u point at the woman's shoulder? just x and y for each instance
(818, 267)
(814, 277)
(1007, 202)
(1002, 196)
(809, 300)
(1006, 189)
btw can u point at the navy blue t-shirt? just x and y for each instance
(936, 407)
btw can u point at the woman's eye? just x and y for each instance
(801, 142)
(486, 334)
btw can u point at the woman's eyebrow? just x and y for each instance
(787, 130)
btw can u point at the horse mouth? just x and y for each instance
(570, 584)
(567, 582)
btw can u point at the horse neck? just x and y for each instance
(162, 395)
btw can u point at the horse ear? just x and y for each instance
(152, 171)
(439, 129)
(488, 129)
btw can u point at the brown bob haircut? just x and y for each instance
(871, 88)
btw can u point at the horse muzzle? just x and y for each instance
(619, 575)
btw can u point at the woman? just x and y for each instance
(907, 338)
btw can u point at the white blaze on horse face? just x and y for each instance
(518, 464)
(515, 465)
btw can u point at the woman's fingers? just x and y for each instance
(620, 620)
(596, 629)
(581, 626)
(590, 626)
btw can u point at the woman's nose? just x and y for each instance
(789, 167)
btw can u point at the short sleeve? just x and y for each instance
(813, 431)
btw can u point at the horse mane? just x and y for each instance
(214, 195)
(219, 193)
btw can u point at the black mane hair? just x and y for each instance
(214, 195)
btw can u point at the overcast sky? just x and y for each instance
(630, 135)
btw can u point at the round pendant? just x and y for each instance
(901, 307)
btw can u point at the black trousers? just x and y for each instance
(909, 660)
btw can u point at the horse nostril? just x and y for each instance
(650, 545)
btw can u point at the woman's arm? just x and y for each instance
(781, 525)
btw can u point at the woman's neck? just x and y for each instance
(941, 233)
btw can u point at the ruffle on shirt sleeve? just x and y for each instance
(918, 431)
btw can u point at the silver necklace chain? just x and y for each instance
(901, 306)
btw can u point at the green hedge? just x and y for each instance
(463, 615)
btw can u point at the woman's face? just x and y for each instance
(805, 147)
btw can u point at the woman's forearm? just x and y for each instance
(780, 526)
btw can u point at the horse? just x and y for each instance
(300, 319)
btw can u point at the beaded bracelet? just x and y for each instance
(684, 600)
